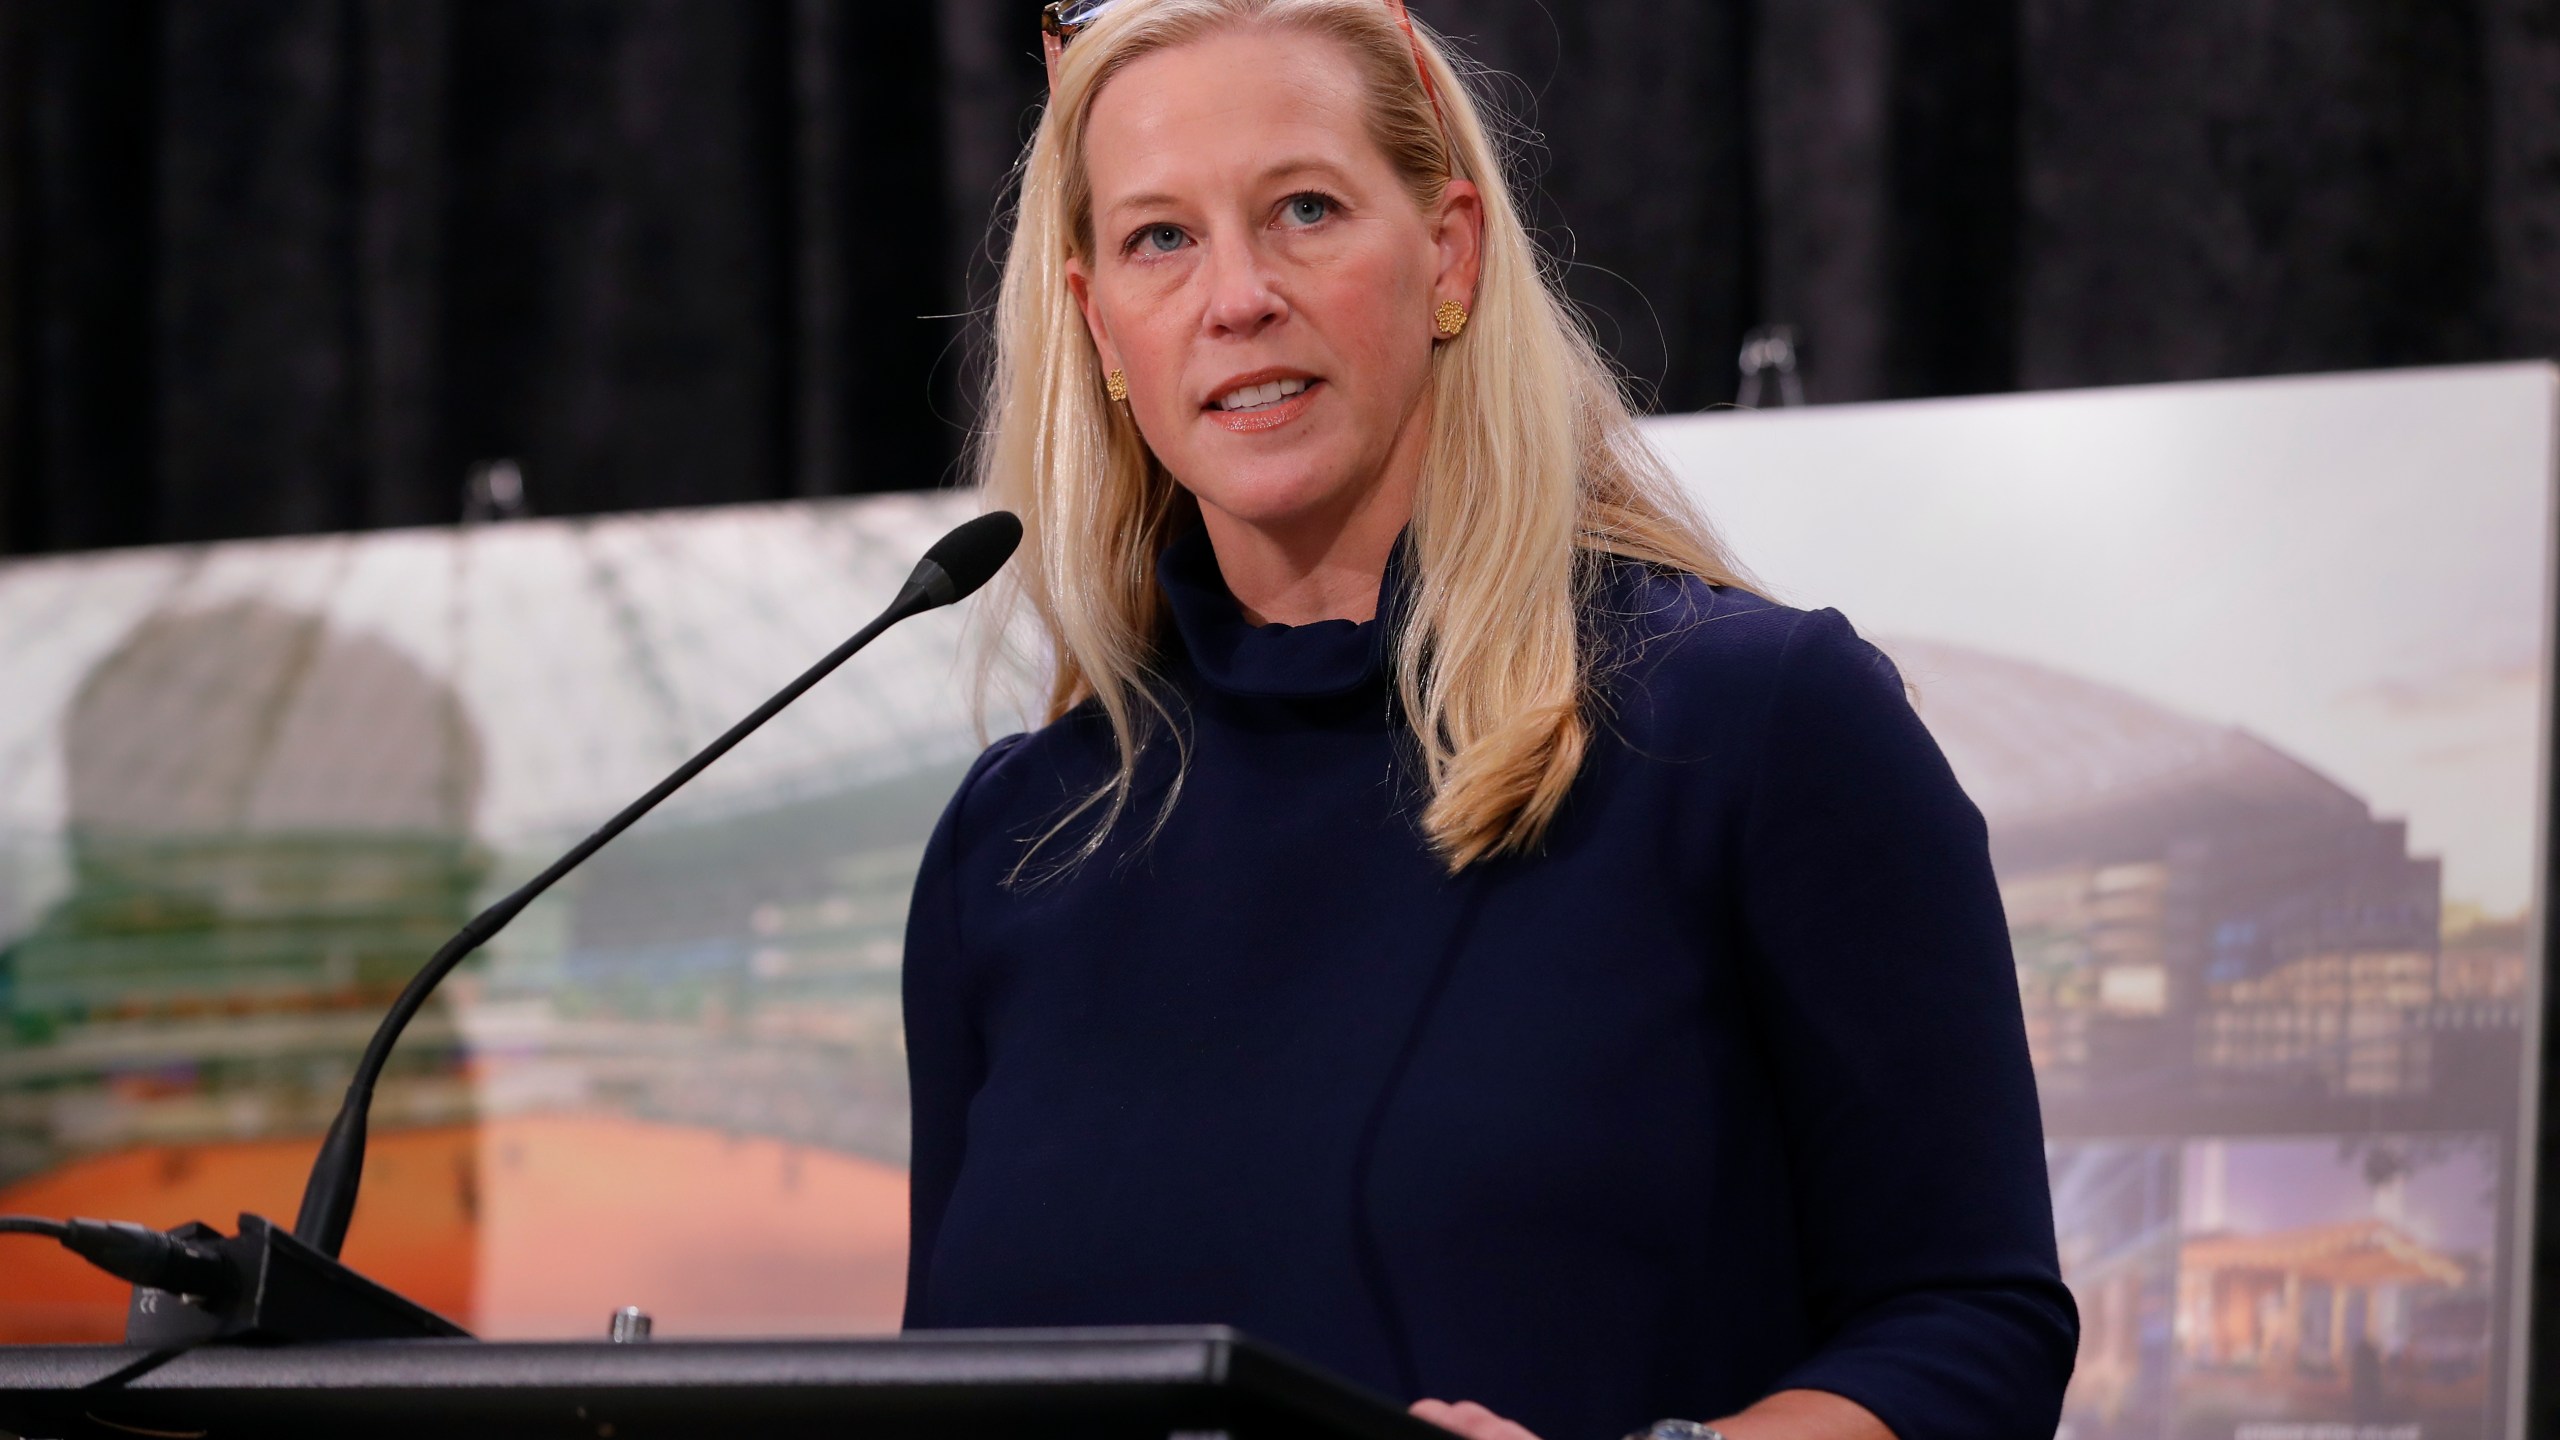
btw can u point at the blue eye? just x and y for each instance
(1308, 209)
(1159, 239)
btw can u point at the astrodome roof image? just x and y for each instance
(298, 684)
(2065, 767)
(246, 788)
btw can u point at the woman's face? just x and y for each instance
(1264, 276)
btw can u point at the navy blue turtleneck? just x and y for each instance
(1722, 1092)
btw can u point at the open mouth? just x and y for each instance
(1270, 395)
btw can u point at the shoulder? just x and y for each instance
(1810, 719)
(1023, 782)
(1664, 639)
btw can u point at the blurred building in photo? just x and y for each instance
(270, 826)
(246, 790)
(2209, 934)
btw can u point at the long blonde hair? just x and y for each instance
(1533, 472)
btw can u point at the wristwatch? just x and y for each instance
(1677, 1430)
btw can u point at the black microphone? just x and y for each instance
(291, 1286)
(954, 568)
(965, 559)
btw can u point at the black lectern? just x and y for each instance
(1154, 1384)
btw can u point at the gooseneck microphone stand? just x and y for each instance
(194, 1283)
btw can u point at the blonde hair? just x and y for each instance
(1533, 473)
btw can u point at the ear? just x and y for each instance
(1458, 229)
(1080, 285)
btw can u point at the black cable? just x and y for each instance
(126, 1374)
(136, 1254)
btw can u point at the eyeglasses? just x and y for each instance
(1061, 20)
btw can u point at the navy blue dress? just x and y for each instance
(1724, 1091)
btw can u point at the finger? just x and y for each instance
(1478, 1423)
(1469, 1419)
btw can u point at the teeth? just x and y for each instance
(1254, 397)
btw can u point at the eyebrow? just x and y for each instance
(1282, 170)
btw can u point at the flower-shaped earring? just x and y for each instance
(1452, 318)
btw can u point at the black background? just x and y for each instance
(272, 266)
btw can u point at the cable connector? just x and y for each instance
(151, 1258)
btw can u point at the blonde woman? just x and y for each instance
(1446, 927)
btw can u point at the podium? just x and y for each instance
(1138, 1384)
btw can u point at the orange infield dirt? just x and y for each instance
(532, 1227)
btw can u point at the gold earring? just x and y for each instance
(1453, 319)
(1116, 385)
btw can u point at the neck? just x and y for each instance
(1325, 565)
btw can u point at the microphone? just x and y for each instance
(290, 1285)
(965, 559)
(953, 569)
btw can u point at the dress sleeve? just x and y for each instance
(1886, 997)
(945, 1058)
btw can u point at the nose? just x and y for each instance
(1243, 300)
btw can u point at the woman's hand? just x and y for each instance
(1787, 1415)
(1469, 1419)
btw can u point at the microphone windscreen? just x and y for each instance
(972, 554)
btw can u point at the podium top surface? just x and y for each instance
(1150, 1382)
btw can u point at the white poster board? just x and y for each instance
(2251, 681)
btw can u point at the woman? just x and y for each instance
(1446, 927)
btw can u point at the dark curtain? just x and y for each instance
(283, 265)
(291, 265)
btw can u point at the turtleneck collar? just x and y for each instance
(1322, 660)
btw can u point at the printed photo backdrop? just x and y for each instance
(2249, 680)
(245, 789)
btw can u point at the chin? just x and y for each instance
(1278, 498)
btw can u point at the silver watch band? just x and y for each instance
(1677, 1430)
